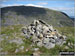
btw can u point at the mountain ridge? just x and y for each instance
(25, 14)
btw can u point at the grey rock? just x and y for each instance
(22, 48)
(1, 49)
(3, 53)
(35, 49)
(1, 39)
(66, 47)
(17, 41)
(49, 45)
(17, 50)
(44, 34)
(40, 44)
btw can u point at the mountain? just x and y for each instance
(16, 15)
(72, 17)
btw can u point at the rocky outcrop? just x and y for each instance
(43, 34)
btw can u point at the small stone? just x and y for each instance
(22, 47)
(17, 41)
(7, 37)
(36, 49)
(68, 43)
(1, 49)
(1, 39)
(40, 44)
(66, 47)
(36, 53)
(26, 50)
(49, 45)
(17, 50)
(22, 34)
(55, 37)
(3, 53)
(72, 44)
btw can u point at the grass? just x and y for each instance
(68, 31)
(15, 31)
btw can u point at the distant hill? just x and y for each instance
(16, 15)
(72, 17)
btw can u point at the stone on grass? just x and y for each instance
(22, 48)
(17, 50)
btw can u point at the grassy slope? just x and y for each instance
(25, 14)
(15, 32)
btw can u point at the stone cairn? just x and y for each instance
(43, 34)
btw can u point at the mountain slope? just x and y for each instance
(26, 14)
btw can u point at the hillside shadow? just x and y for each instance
(25, 10)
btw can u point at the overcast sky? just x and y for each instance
(66, 6)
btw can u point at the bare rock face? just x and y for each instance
(43, 34)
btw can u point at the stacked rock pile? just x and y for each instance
(43, 34)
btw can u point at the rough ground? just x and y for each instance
(13, 41)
